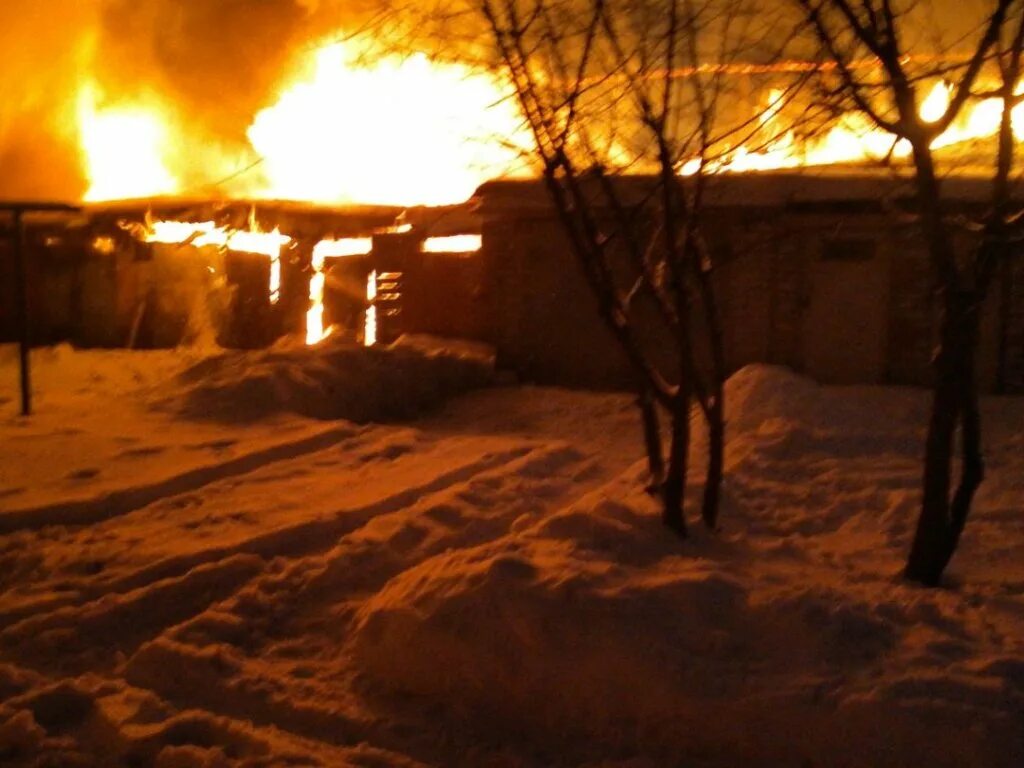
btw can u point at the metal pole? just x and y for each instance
(18, 210)
(24, 329)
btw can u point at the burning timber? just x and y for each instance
(159, 273)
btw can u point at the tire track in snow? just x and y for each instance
(237, 680)
(194, 584)
(123, 501)
(86, 637)
(55, 566)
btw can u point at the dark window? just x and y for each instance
(848, 249)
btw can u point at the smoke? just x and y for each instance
(217, 61)
(42, 61)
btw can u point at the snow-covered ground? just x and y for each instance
(202, 563)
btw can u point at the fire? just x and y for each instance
(361, 127)
(253, 240)
(370, 331)
(453, 244)
(854, 139)
(354, 125)
(935, 103)
(184, 232)
(315, 331)
(123, 148)
(208, 233)
(349, 246)
(357, 123)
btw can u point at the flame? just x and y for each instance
(358, 124)
(208, 233)
(315, 331)
(270, 244)
(453, 244)
(355, 125)
(935, 103)
(123, 148)
(853, 139)
(199, 233)
(103, 245)
(370, 329)
(360, 127)
(349, 246)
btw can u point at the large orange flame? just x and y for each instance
(395, 130)
(124, 147)
(357, 124)
(354, 125)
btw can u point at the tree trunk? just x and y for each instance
(954, 401)
(928, 552)
(716, 402)
(716, 450)
(674, 489)
(652, 438)
(972, 471)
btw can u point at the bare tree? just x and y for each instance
(985, 62)
(620, 101)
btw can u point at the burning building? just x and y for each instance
(356, 136)
(819, 272)
(245, 274)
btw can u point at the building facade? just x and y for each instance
(825, 274)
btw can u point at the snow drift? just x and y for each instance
(338, 379)
(591, 633)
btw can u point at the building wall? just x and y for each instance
(841, 295)
(444, 295)
(51, 262)
(544, 319)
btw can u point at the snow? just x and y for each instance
(331, 557)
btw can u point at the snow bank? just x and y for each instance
(593, 637)
(335, 380)
(591, 634)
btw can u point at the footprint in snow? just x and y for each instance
(83, 474)
(215, 445)
(138, 453)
